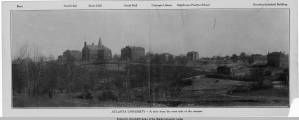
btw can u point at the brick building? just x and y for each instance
(96, 52)
(278, 59)
(132, 53)
(192, 56)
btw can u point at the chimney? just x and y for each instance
(84, 44)
(92, 44)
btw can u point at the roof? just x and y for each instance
(96, 47)
(166, 54)
(92, 47)
(134, 47)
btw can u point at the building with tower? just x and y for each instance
(96, 53)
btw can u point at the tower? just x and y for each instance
(100, 42)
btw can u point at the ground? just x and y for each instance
(204, 92)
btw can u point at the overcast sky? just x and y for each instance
(209, 31)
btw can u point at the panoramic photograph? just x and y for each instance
(150, 58)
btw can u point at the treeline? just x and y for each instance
(41, 77)
(35, 78)
(137, 82)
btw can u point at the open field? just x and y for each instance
(204, 92)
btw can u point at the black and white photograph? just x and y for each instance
(152, 58)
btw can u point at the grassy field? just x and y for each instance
(67, 101)
(265, 97)
(204, 92)
(217, 92)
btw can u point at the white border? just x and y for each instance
(207, 112)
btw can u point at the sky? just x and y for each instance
(210, 32)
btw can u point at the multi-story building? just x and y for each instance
(96, 52)
(192, 56)
(132, 53)
(167, 57)
(278, 59)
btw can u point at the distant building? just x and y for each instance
(167, 57)
(192, 56)
(180, 60)
(70, 56)
(258, 59)
(132, 53)
(74, 53)
(278, 59)
(96, 52)
(234, 71)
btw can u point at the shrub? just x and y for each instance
(106, 95)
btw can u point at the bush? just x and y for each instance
(84, 95)
(106, 95)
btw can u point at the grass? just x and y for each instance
(265, 97)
